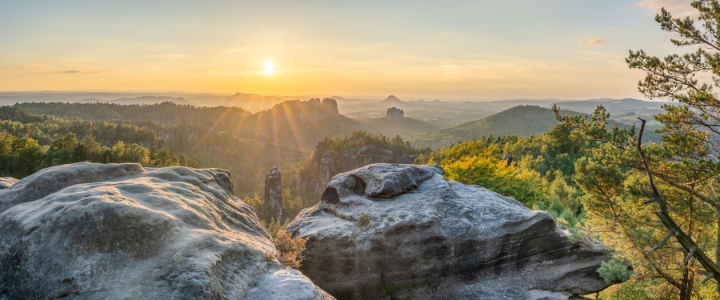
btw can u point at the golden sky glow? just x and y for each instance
(460, 49)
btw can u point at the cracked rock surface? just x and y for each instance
(121, 231)
(389, 231)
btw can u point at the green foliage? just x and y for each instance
(27, 148)
(575, 236)
(364, 220)
(614, 270)
(682, 165)
(536, 176)
(275, 227)
(556, 208)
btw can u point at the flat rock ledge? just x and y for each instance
(121, 231)
(388, 231)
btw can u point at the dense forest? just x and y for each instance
(539, 174)
(42, 142)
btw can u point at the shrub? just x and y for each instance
(569, 217)
(274, 227)
(557, 207)
(290, 249)
(575, 236)
(270, 256)
(614, 270)
(364, 220)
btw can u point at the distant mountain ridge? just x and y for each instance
(140, 100)
(522, 120)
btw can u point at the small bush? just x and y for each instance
(575, 236)
(556, 207)
(290, 250)
(364, 220)
(269, 256)
(274, 227)
(614, 270)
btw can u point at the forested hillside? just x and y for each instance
(519, 120)
(539, 174)
(524, 120)
(227, 137)
(29, 142)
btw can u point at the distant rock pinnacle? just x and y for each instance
(395, 113)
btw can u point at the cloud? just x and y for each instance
(676, 7)
(84, 72)
(591, 42)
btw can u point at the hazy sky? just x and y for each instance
(413, 49)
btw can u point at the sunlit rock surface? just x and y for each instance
(119, 231)
(6, 182)
(431, 238)
(329, 163)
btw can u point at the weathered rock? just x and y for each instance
(6, 182)
(395, 113)
(119, 231)
(330, 106)
(426, 237)
(330, 163)
(273, 193)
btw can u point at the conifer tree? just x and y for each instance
(660, 201)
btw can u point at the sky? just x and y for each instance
(568, 49)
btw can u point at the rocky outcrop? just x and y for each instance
(327, 106)
(274, 193)
(330, 106)
(330, 163)
(6, 182)
(120, 231)
(395, 113)
(389, 231)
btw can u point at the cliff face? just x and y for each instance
(330, 106)
(388, 231)
(120, 231)
(326, 163)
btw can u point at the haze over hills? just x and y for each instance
(140, 100)
(249, 102)
(521, 120)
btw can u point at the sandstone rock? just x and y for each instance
(273, 193)
(330, 106)
(119, 231)
(425, 237)
(395, 113)
(6, 182)
(330, 163)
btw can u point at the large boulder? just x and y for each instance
(325, 163)
(120, 231)
(389, 231)
(6, 182)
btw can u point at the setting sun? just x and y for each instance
(268, 67)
